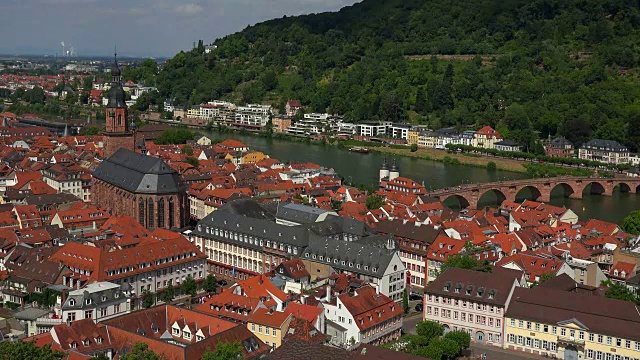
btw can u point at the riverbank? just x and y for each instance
(462, 159)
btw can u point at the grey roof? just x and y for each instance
(139, 173)
(560, 142)
(599, 144)
(352, 253)
(300, 214)
(100, 294)
(31, 313)
(51, 199)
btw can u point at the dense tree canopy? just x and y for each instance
(631, 222)
(533, 68)
(19, 350)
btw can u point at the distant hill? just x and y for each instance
(548, 66)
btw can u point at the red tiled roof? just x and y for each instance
(621, 267)
(304, 311)
(269, 317)
(369, 308)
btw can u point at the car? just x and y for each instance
(419, 307)
(415, 297)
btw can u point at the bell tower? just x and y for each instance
(117, 133)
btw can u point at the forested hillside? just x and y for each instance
(549, 67)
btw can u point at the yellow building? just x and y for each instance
(253, 157)
(269, 326)
(572, 325)
(412, 136)
(427, 139)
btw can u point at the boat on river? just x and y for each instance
(359, 149)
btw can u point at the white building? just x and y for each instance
(398, 131)
(366, 317)
(372, 128)
(253, 115)
(98, 301)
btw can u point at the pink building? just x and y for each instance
(472, 301)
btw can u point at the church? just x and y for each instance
(133, 184)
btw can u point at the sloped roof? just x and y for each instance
(139, 173)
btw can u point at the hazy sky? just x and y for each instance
(137, 27)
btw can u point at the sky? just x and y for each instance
(143, 28)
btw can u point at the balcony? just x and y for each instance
(570, 340)
(49, 321)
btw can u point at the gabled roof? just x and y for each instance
(369, 308)
(139, 173)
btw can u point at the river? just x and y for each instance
(363, 169)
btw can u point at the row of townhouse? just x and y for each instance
(559, 318)
(486, 138)
(244, 238)
(222, 112)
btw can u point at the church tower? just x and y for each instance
(117, 132)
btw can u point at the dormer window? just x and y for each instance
(615, 272)
(87, 301)
(85, 342)
(72, 302)
(104, 298)
(480, 291)
(99, 340)
(447, 286)
(492, 294)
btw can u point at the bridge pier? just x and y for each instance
(545, 197)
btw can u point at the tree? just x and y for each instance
(414, 147)
(89, 130)
(140, 351)
(148, 299)
(210, 284)
(189, 286)
(491, 166)
(631, 222)
(224, 351)
(187, 149)
(168, 294)
(462, 338)
(465, 262)
(19, 350)
(405, 301)
(374, 201)
(175, 136)
(192, 161)
(619, 291)
(420, 105)
(429, 329)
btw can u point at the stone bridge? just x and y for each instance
(573, 187)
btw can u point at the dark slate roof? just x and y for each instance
(599, 144)
(51, 199)
(296, 349)
(300, 214)
(561, 142)
(408, 230)
(598, 314)
(139, 173)
(489, 288)
(352, 253)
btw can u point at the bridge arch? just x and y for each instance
(500, 196)
(462, 201)
(535, 193)
(567, 190)
(594, 187)
(627, 187)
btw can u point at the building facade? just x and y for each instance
(117, 134)
(606, 151)
(142, 187)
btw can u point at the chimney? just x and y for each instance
(328, 295)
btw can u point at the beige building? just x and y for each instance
(269, 326)
(486, 138)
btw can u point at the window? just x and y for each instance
(520, 324)
(513, 322)
(609, 340)
(600, 338)
(591, 337)
(88, 314)
(545, 328)
(563, 332)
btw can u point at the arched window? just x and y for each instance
(171, 214)
(161, 213)
(141, 211)
(119, 119)
(150, 214)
